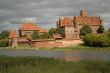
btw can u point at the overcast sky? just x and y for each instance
(46, 12)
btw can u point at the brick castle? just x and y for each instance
(70, 26)
(69, 29)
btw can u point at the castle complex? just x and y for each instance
(69, 31)
(70, 26)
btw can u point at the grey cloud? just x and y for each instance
(46, 12)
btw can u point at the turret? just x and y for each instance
(13, 39)
(84, 13)
(59, 22)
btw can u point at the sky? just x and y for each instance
(45, 13)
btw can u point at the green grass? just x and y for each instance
(50, 65)
(71, 48)
(84, 48)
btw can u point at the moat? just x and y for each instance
(63, 55)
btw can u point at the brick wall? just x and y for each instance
(50, 43)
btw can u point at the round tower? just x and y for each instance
(13, 39)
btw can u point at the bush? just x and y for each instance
(97, 40)
(3, 43)
(85, 30)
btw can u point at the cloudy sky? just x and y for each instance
(46, 12)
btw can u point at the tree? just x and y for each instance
(101, 29)
(35, 35)
(54, 31)
(3, 43)
(96, 40)
(4, 34)
(44, 36)
(85, 30)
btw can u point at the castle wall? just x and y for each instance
(69, 32)
(50, 43)
(13, 42)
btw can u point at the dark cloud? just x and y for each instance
(46, 12)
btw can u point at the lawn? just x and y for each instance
(50, 65)
(71, 48)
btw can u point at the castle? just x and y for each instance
(69, 31)
(70, 26)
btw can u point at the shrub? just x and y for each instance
(3, 43)
(97, 40)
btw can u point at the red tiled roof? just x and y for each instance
(29, 26)
(56, 36)
(43, 30)
(67, 21)
(13, 34)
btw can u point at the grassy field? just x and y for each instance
(50, 65)
(83, 48)
(71, 48)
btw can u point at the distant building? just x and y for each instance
(70, 26)
(27, 29)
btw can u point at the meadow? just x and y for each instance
(50, 65)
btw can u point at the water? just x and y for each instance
(65, 55)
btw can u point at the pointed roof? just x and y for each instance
(13, 34)
(29, 26)
(67, 21)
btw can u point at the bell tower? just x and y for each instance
(84, 13)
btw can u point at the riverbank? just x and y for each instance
(71, 48)
(50, 65)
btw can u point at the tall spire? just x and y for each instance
(59, 22)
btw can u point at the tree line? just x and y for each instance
(99, 39)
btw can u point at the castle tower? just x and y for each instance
(13, 39)
(84, 13)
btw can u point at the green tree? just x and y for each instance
(54, 31)
(35, 35)
(101, 29)
(3, 43)
(44, 36)
(85, 30)
(4, 34)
